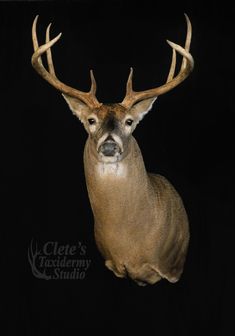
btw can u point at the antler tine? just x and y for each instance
(93, 83)
(186, 47)
(129, 90)
(129, 82)
(34, 37)
(49, 54)
(172, 68)
(88, 98)
(188, 40)
(186, 67)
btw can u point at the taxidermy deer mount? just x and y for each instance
(141, 226)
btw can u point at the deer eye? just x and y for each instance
(91, 121)
(129, 122)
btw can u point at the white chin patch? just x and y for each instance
(109, 159)
(111, 166)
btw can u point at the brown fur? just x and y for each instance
(117, 110)
(141, 226)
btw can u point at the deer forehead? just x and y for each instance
(116, 111)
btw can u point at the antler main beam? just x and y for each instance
(187, 66)
(88, 98)
(132, 96)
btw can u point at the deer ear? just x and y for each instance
(78, 108)
(142, 107)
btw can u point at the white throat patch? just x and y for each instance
(116, 169)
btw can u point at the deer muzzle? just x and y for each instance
(109, 148)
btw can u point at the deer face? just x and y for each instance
(109, 126)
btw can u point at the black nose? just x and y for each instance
(109, 148)
(109, 138)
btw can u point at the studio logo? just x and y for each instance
(54, 261)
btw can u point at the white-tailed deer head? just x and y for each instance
(141, 226)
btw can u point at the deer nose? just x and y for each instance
(110, 138)
(109, 148)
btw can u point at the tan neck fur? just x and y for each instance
(113, 185)
(141, 226)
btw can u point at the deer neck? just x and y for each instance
(110, 185)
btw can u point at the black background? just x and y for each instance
(186, 137)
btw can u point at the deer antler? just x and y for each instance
(186, 67)
(88, 98)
